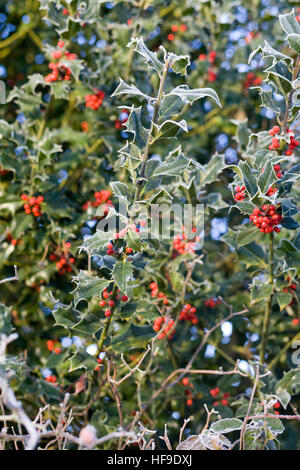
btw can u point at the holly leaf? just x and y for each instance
(121, 273)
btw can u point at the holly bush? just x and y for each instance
(112, 334)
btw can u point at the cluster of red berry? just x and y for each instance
(276, 142)
(95, 100)
(85, 126)
(156, 293)
(212, 302)
(32, 204)
(166, 325)
(64, 260)
(210, 57)
(175, 29)
(111, 250)
(107, 301)
(188, 313)
(276, 406)
(123, 117)
(11, 240)
(267, 218)
(52, 346)
(291, 287)
(187, 383)
(293, 143)
(249, 37)
(182, 245)
(60, 72)
(101, 197)
(52, 379)
(215, 392)
(252, 80)
(239, 193)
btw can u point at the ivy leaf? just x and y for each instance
(121, 273)
(88, 286)
(150, 57)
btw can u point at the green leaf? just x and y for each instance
(66, 316)
(179, 63)
(133, 124)
(275, 425)
(268, 51)
(88, 286)
(6, 326)
(150, 57)
(284, 397)
(188, 96)
(248, 178)
(267, 177)
(119, 188)
(289, 380)
(209, 172)
(246, 207)
(260, 290)
(280, 74)
(82, 360)
(294, 40)
(289, 23)
(172, 168)
(121, 273)
(170, 128)
(252, 255)
(133, 240)
(283, 299)
(133, 337)
(125, 89)
(226, 425)
(97, 242)
(247, 235)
